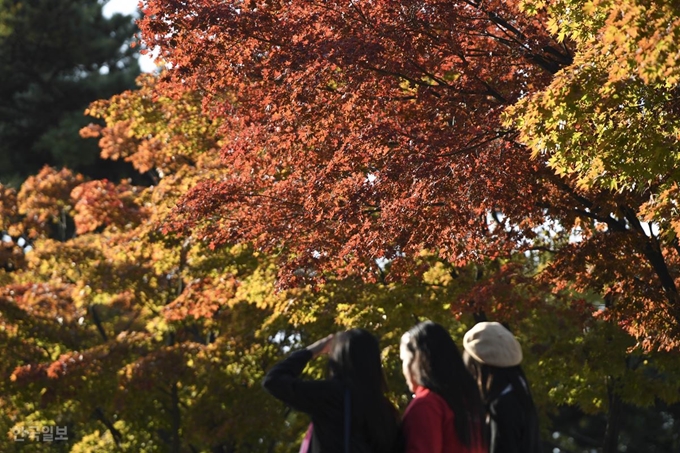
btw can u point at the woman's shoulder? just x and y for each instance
(426, 401)
(507, 404)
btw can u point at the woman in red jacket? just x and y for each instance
(446, 414)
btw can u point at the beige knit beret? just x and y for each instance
(492, 344)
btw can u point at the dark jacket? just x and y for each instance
(324, 400)
(513, 428)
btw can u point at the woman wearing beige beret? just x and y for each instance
(493, 356)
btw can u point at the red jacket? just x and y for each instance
(428, 426)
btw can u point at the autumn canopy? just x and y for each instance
(316, 165)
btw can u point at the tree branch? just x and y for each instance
(98, 322)
(99, 415)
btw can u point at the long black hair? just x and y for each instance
(437, 365)
(355, 360)
(493, 381)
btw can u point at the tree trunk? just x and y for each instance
(176, 445)
(614, 420)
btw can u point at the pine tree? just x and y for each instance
(56, 58)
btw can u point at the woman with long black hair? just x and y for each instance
(348, 409)
(446, 414)
(493, 356)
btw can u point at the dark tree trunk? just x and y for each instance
(614, 420)
(176, 445)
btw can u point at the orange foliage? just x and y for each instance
(354, 134)
(102, 203)
(202, 299)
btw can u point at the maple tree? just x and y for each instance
(609, 123)
(610, 119)
(324, 106)
(355, 134)
(360, 132)
(97, 321)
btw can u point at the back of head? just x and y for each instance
(493, 356)
(355, 360)
(492, 344)
(437, 365)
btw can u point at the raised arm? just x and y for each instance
(283, 380)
